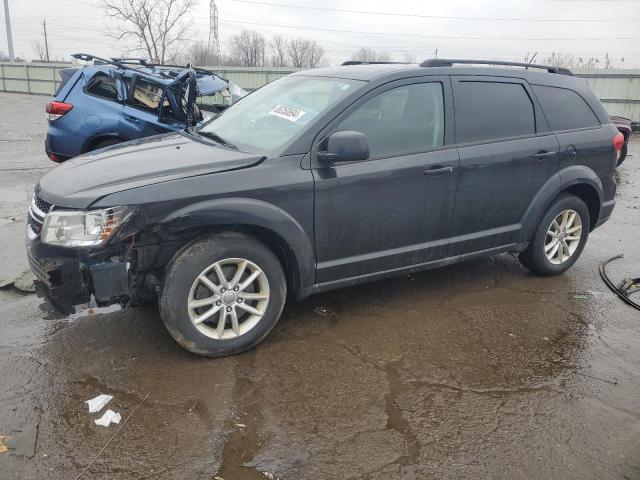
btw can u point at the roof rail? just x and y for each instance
(140, 61)
(126, 63)
(103, 61)
(359, 62)
(445, 62)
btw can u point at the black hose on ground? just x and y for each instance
(630, 285)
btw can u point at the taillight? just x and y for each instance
(618, 143)
(57, 109)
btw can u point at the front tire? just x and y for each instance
(222, 294)
(559, 238)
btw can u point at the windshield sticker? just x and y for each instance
(288, 113)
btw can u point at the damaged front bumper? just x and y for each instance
(67, 277)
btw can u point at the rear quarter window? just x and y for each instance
(564, 108)
(65, 75)
(492, 111)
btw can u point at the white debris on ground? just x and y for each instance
(98, 403)
(108, 418)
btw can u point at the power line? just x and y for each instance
(443, 17)
(417, 35)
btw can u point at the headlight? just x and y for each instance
(82, 229)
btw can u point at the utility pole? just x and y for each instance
(7, 20)
(435, 53)
(46, 43)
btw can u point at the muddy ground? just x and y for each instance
(479, 370)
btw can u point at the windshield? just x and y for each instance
(270, 117)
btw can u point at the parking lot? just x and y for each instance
(478, 370)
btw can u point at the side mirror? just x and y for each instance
(347, 146)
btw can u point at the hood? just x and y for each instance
(79, 182)
(210, 84)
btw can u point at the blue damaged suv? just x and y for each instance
(117, 100)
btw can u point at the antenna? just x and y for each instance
(214, 40)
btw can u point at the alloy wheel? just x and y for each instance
(563, 237)
(228, 298)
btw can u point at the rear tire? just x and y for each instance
(222, 294)
(555, 246)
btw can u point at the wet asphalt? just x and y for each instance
(478, 370)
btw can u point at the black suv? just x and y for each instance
(324, 179)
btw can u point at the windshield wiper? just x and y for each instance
(217, 138)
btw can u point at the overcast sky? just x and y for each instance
(496, 29)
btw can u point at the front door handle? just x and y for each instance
(438, 170)
(132, 119)
(544, 154)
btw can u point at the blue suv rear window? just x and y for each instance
(103, 86)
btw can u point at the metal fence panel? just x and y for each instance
(44, 78)
(617, 89)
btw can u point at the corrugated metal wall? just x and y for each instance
(44, 79)
(619, 90)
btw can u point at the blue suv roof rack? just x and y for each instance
(447, 62)
(130, 63)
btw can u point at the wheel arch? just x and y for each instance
(94, 139)
(589, 195)
(265, 222)
(577, 180)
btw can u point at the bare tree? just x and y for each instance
(198, 53)
(370, 55)
(562, 60)
(569, 61)
(40, 49)
(278, 46)
(305, 53)
(248, 48)
(409, 57)
(158, 26)
(315, 57)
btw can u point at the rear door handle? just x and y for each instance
(132, 119)
(544, 154)
(438, 170)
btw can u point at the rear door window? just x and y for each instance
(404, 120)
(564, 108)
(492, 111)
(103, 86)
